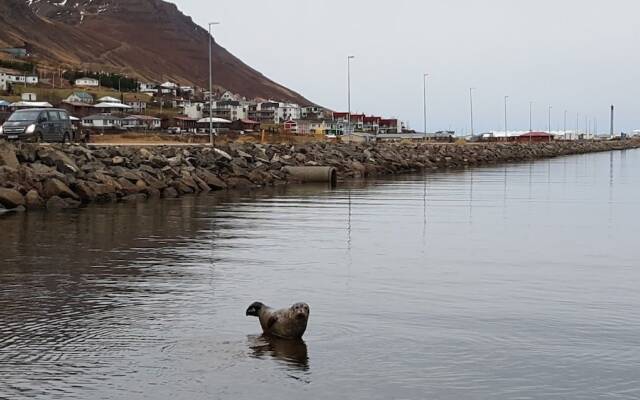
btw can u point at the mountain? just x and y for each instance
(150, 39)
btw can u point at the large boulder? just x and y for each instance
(211, 179)
(11, 198)
(58, 159)
(54, 187)
(33, 200)
(8, 155)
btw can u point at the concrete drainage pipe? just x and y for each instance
(313, 174)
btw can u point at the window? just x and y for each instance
(63, 116)
(53, 115)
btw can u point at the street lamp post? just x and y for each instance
(530, 121)
(425, 77)
(349, 58)
(506, 129)
(565, 125)
(211, 142)
(471, 101)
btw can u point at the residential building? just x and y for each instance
(28, 97)
(390, 126)
(187, 90)
(141, 122)
(231, 110)
(371, 124)
(263, 112)
(169, 88)
(102, 121)
(306, 126)
(137, 102)
(288, 111)
(80, 97)
(109, 99)
(228, 96)
(144, 87)
(18, 77)
(185, 123)
(314, 112)
(87, 82)
(195, 110)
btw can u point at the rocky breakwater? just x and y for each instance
(40, 176)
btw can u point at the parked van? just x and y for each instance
(38, 125)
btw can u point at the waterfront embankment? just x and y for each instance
(54, 177)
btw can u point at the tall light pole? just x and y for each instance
(471, 100)
(349, 58)
(211, 142)
(425, 77)
(577, 125)
(506, 130)
(549, 125)
(530, 118)
(565, 125)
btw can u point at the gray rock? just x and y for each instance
(8, 155)
(169, 193)
(58, 159)
(11, 198)
(55, 188)
(56, 203)
(33, 200)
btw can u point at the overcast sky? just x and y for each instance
(576, 55)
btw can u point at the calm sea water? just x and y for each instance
(509, 282)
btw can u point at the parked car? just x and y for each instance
(38, 125)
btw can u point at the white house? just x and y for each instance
(195, 110)
(145, 87)
(288, 111)
(141, 122)
(102, 121)
(230, 109)
(87, 82)
(187, 90)
(16, 77)
(28, 97)
(80, 97)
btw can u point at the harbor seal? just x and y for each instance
(288, 323)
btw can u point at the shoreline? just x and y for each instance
(57, 177)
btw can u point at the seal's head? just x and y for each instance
(300, 311)
(254, 309)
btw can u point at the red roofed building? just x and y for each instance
(390, 126)
(536, 137)
(371, 124)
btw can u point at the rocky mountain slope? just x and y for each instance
(149, 39)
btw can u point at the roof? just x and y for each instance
(143, 118)
(108, 99)
(86, 78)
(214, 120)
(77, 104)
(4, 103)
(183, 118)
(11, 71)
(112, 105)
(101, 116)
(84, 95)
(536, 134)
(249, 121)
(32, 104)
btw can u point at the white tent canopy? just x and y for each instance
(214, 120)
(112, 105)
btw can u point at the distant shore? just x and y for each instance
(56, 177)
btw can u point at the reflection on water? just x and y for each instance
(293, 353)
(501, 282)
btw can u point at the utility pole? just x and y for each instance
(471, 100)
(530, 118)
(577, 125)
(425, 76)
(549, 126)
(506, 130)
(349, 58)
(565, 125)
(211, 142)
(612, 119)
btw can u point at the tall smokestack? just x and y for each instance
(612, 117)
